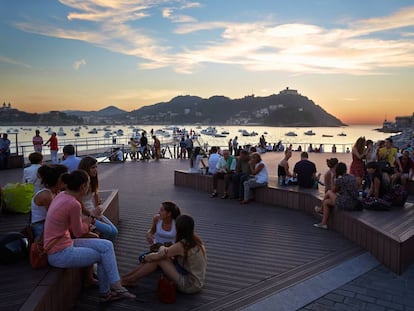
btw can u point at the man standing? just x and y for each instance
(143, 141)
(69, 159)
(189, 146)
(4, 152)
(235, 145)
(305, 171)
(53, 144)
(37, 142)
(225, 169)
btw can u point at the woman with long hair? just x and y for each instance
(49, 176)
(357, 167)
(343, 196)
(91, 203)
(63, 218)
(163, 229)
(259, 177)
(329, 177)
(188, 267)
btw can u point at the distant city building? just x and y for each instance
(403, 122)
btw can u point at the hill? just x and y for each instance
(288, 108)
(106, 112)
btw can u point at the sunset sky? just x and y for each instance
(353, 58)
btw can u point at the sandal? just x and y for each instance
(122, 293)
(108, 297)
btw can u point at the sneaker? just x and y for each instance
(321, 226)
(213, 195)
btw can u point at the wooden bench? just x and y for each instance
(389, 236)
(59, 288)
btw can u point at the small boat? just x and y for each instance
(209, 131)
(291, 134)
(107, 134)
(61, 132)
(342, 134)
(327, 135)
(163, 133)
(93, 131)
(225, 132)
(219, 135)
(310, 133)
(120, 132)
(77, 134)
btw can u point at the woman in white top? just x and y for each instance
(91, 203)
(196, 159)
(259, 177)
(49, 176)
(163, 230)
(184, 262)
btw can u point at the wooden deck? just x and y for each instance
(389, 236)
(253, 250)
(49, 288)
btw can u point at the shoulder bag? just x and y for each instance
(38, 254)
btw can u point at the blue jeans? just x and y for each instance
(54, 156)
(86, 252)
(37, 229)
(106, 228)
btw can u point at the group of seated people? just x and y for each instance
(66, 213)
(245, 173)
(381, 174)
(377, 176)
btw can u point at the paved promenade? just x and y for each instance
(259, 257)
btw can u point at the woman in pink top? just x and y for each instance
(65, 216)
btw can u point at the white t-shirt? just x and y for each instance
(30, 176)
(212, 163)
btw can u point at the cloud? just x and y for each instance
(77, 64)
(177, 18)
(8, 60)
(358, 47)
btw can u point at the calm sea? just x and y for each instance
(272, 135)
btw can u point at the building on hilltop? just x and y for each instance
(6, 106)
(288, 91)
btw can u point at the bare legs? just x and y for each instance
(131, 278)
(327, 203)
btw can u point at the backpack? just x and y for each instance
(13, 247)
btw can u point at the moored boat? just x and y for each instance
(291, 134)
